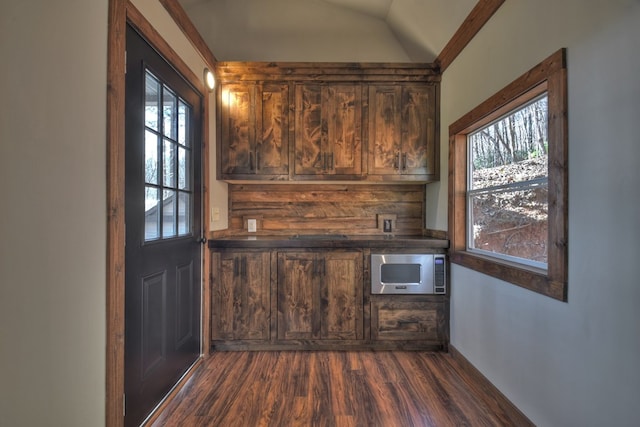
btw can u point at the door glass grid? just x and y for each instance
(168, 162)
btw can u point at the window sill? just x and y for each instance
(531, 278)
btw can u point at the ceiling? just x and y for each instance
(327, 30)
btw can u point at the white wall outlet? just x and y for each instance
(215, 214)
(252, 225)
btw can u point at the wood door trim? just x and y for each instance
(473, 23)
(120, 13)
(114, 406)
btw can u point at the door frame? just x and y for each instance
(120, 13)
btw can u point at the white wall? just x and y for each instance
(574, 363)
(52, 212)
(293, 30)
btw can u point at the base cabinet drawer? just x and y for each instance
(394, 319)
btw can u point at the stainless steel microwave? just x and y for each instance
(408, 274)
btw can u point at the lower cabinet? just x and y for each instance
(315, 299)
(240, 295)
(320, 295)
(400, 318)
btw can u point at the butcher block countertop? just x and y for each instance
(337, 241)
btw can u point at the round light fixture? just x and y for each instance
(209, 79)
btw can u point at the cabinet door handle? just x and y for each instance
(396, 161)
(331, 162)
(404, 161)
(250, 161)
(235, 266)
(257, 160)
(324, 161)
(324, 267)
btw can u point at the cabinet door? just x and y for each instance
(341, 295)
(237, 128)
(298, 297)
(272, 130)
(402, 130)
(384, 129)
(328, 129)
(240, 306)
(309, 156)
(417, 154)
(342, 113)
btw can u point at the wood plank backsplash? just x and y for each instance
(326, 208)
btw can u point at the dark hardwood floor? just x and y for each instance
(338, 388)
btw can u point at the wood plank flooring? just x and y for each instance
(337, 388)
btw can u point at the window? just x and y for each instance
(168, 188)
(508, 182)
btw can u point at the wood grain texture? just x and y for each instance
(328, 129)
(115, 213)
(326, 72)
(338, 389)
(254, 130)
(473, 23)
(402, 130)
(325, 208)
(241, 296)
(320, 295)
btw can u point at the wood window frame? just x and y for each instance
(551, 76)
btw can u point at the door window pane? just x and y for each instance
(151, 101)
(184, 169)
(169, 113)
(184, 213)
(169, 164)
(183, 123)
(151, 168)
(151, 213)
(169, 221)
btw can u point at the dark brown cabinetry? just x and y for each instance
(327, 121)
(254, 126)
(240, 295)
(328, 129)
(320, 295)
(403, 318)
(274, 297)
(402, 131)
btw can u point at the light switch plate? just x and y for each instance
(252, 225)
(387, 222)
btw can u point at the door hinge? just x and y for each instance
(124, 404)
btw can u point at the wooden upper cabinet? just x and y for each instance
(402, 131)
(254, 131)
(328, 130)
(327, 121)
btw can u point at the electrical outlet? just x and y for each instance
(215, 214)
(252, 225)
(386, 226)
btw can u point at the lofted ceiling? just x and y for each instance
(327, 30)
